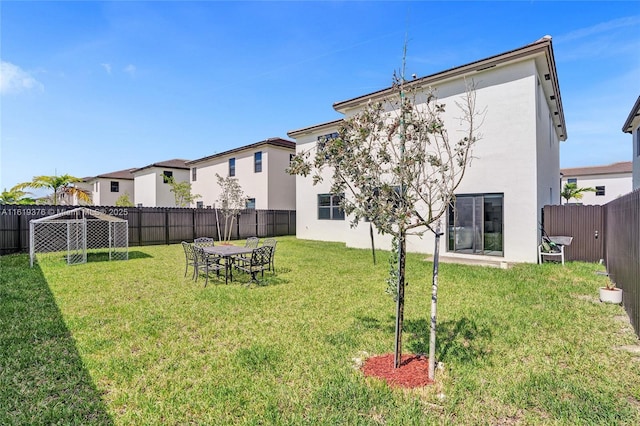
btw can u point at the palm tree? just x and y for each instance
(571, 190)
(15, 196)
(61, 185)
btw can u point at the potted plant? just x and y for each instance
(610, 293)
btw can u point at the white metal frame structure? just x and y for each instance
(69, 234)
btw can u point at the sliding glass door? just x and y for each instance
(475, 224)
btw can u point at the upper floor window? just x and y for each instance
(166, 176)
(194, 174)
(257, 162)
(599, 190)
(232, 166)
(572, 180)
(638, 141)
(199, 204)
(250, 203)
(115, 186)
(329, 207)
(324, 138)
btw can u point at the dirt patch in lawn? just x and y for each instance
(412, 373)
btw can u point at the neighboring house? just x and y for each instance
(610, 182)
(151, 186)
(632, 125)
(260, 170)
(514, 172)
(105, 189)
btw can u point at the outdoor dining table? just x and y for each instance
(227, 252)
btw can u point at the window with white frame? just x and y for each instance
(572, 180)
(250, 203)
(599, 191)
(194, 174)
(329, 207)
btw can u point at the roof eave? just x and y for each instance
(539, 47)
(635, 112)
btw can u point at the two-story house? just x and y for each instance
(105, 189)
(514, 173)
(260, 169)
(151, 183)
(610, 181)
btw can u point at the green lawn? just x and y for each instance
(135, 343)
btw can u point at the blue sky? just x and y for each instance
(93, 87)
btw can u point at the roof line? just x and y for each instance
(279, 142)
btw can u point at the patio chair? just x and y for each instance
(252, 242)
(271, 242)
(258, 262)
(206, 263)
(204, 242)
(190, 258)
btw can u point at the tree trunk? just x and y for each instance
(397, 357)
(434, 305)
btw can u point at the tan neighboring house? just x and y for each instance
(260, 170)
(105, 189)
(515, 171)
(632, 126)
(151, 187)
(610, 182)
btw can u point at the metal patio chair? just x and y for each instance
(272, 243)
(258, 262)
(207, 263)
(190, 258)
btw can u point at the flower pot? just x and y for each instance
(613, 295)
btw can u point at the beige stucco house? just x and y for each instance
(610, 181)
(151, 188)
(632, 126)
(261, 172)
(515, 171)
(105, 189)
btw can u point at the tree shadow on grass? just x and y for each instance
(42, 376)
(461, 340)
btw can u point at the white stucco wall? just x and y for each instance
(144, 184)
(272, 188)
(281, 186)
(104, 197)
(615, 185)
(514, 157)
(164, 196)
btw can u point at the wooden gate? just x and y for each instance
(584, 223)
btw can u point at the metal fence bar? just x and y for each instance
(151, 225)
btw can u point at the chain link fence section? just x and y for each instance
(69, 235)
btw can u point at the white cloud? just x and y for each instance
(629, 22)
(13, 79)
(130, 69)
(107, 68)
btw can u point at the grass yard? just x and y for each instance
(135, 343)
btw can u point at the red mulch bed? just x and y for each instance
(412, 373)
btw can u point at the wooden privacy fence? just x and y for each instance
(610, 232)
(153, 225)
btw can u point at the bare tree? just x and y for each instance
(397, 167)
(232, 200)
